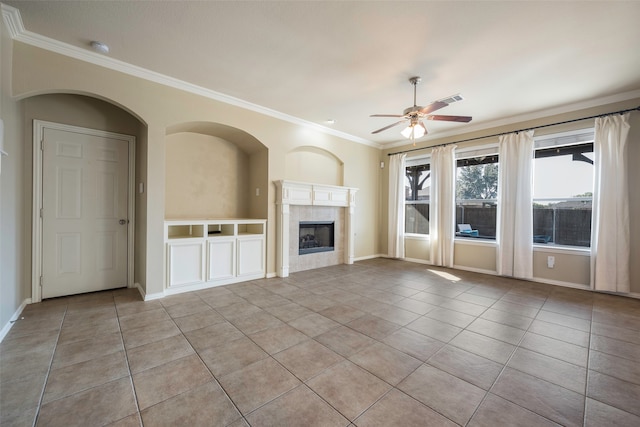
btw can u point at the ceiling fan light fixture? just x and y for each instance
(413, 131)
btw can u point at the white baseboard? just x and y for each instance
(561, 283)
(618, 294)
(139, 288)
(363, 258)
(418, 261)
(475, 270)
(151, 297)
(271, 275)
(5, 330)
(148, 297)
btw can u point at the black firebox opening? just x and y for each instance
(315, 236)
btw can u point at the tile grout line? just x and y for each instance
(242, 416)
(586, 380)
(504, 367)
(126, 355)
(46, 379)
(302, 383)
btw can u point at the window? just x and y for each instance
(417, 183)
(476, 197)
(563, 192)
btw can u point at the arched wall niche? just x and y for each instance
(315, 165)
(214, 171)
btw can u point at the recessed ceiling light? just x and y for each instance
(330, 121)
(100, 47)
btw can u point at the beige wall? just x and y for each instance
(14, 254)
(417, 248)
(475, 256)
(569, 268)
(139, 250)
(259, 179)
(206, 177)
(160, 108)
(633, 157)
(309, 164)
(573, 268)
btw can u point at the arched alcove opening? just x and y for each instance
(315, 165)
(83, 110)
(93, 113)
(214, 171)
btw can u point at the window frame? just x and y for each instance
(411, 162)
(464, 155)
(567, 143)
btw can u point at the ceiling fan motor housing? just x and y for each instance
(412, 111)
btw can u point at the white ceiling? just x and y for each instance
(345, 60)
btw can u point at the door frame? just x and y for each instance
(36, 225)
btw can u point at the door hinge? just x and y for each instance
(40, 281)
(41, 212)
(42, 144)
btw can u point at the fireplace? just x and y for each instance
(301, 201)
(315, 236)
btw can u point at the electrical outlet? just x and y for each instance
(551, 261)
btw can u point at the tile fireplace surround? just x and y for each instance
(299, 201)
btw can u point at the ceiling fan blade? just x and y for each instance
(463, 119)
(433, 107)
(386, 115)
(387, 127)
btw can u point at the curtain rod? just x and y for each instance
(517, 131)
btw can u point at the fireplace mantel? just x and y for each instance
(307, 194)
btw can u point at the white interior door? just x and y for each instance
(84, 217)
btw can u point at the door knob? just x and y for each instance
(123, 221)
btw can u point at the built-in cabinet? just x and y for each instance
(213, 252)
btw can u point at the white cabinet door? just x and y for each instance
(221, 260)
(250, 255)
(186, 263)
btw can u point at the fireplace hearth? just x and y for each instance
(315, 236)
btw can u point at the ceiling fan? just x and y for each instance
(414, 115)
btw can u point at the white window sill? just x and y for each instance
(559, 249)
(474, 241)
(415, 236)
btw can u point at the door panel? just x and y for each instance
(85, 195)
(69, 253)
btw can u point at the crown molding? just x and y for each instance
(17, 31)
(13, 20)
(540, 114)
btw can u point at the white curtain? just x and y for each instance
(610, 241)
(515, 206)
(442, 205)
(396, 205)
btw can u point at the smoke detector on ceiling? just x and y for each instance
(100, 47)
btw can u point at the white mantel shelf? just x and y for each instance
(307, 194)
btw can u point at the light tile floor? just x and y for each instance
(379, 343)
